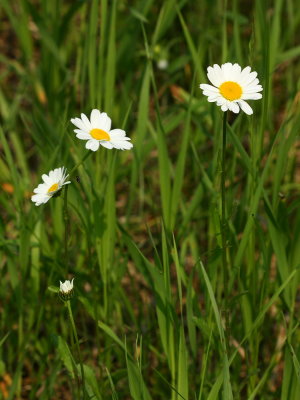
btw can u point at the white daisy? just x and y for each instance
(97, 132)
(66, 287)
(52, 184)
(232, 86)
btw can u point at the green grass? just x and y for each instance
(144, 241)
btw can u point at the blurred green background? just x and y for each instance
(145, 246)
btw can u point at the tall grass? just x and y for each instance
(144, 244)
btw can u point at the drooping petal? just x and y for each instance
(245, 107)
(234, 107)
(106, 144)
(92, 144)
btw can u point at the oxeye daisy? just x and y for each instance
(232, 86)
(97, 132)
(66, 289)
(51, 186)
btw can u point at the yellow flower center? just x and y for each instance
(231, 90)
(99, 134)
(53, 188)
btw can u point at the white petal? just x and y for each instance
(123, 145)
(234, 107)
(209, 88)
(246, 71)
(213, 98)
(95, 116)
(57, 174)
(40, 199)
(83, 135)
(106, 144)
(86, 121)
(245, 81)
(245, 107)
(80, 131)
(236, 70)
(224, 107)
(251, 96)
(253, 83)
(36, 197)
(208, 93)
(215, 75)
(114, 133)
(80, 124)
(253, 89)
(92, 144)
(227, 71)
(46, 179)
(102, 121)
(221, 101)
(42, 188)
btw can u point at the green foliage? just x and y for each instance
(144, 241)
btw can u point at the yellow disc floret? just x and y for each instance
(99, 134)
(231, 90)
(53, 188)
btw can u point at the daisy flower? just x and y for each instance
(97, 132)
(52, 184)
(66, 289)
(231, 87)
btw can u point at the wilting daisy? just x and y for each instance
(232, 86)
(96, 131)
(66, 289)
(52, 184)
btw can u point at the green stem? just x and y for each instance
(65, 209)
(224, 233)
(78, 347)
(223, 208)
(66, 221)
(80, 162)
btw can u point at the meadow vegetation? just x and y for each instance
(154, 315)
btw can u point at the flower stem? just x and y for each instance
(66, 221)
(223, 207)
(224, 233)
(78, 347)
(80, 162)
(65, 209)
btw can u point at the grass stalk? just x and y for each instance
(66, 212)
(223, 208)
(78, 347)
